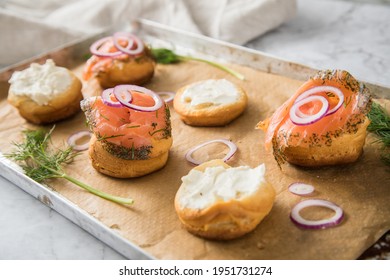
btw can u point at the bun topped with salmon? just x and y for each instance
(323, 123)
(132, 131)
(119, 59)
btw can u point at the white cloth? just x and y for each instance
(29, 28)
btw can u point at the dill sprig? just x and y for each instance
(40, 161)
(166, 56)
(380, 125)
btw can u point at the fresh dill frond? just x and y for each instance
(41, 161)
(380, 125)
(166, 56)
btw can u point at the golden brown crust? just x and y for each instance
(133, 71)
(209, 114)
(63, 106)
(106, 163)
(230, 219)
(345, 148)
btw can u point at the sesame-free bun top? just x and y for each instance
(216, 201)
(210, 102)
(45, 93)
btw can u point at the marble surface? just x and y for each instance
(325, 34)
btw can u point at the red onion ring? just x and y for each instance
(94, 49)
(106, 97)
(231, 145)
(77, 136)
(298, 118)
(170, 97)
(131, 39)
(320, 89)
(301, 188)
(123, 94)
(316, 224)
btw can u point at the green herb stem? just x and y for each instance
(99, 193)
(217, 65)
(40, 162)
(166, 56)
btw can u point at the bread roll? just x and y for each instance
(113, 166)
(134, 71)
(323, 123)
(128, 142)
(110, 71)
(346, 148)
(45, 93)
(210, 103)
(216, 201)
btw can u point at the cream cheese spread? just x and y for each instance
(41, 82)
(217, 92)
(202, 189)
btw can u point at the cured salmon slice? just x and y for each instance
(128, 133)
(282, 133)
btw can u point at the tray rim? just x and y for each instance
(77, 215)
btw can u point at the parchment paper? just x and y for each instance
(362, 189)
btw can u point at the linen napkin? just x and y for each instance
(29, 28)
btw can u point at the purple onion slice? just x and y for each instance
(123, 94)
(316, 224)
(72, 140)
(231, 145)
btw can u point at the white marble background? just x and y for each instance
(325, 34)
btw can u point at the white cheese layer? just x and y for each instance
(217, 92)
(41, 82)
(202, 189)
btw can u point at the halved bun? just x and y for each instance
(135, 71)
(222, 219)
(113, 166)
(208, 113)
(345, 148)
(64, 105)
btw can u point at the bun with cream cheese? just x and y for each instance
(216, 201)
(210, 102)
(45, 93)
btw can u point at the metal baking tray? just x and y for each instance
(158, 35)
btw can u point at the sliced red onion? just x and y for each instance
(170, 95)
(123, 94)
(320, 89)
(96, 46)
(316, 224)
(131, 39)
(298, 118)
(106, 97)
(77, 136)
(231, 145)
(301, 188)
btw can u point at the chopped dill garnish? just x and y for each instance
(380, 125)
(103, 137)
(133, 126)
(166, 56)
(154, 132)
(41, 161)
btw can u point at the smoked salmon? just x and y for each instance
(298, 137)
(119, 59)
(128, 133)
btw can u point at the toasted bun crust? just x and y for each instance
(345, 148)
(106, 163)
(133, 71)
(63, 106)
(226, 220)
(209, 114)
